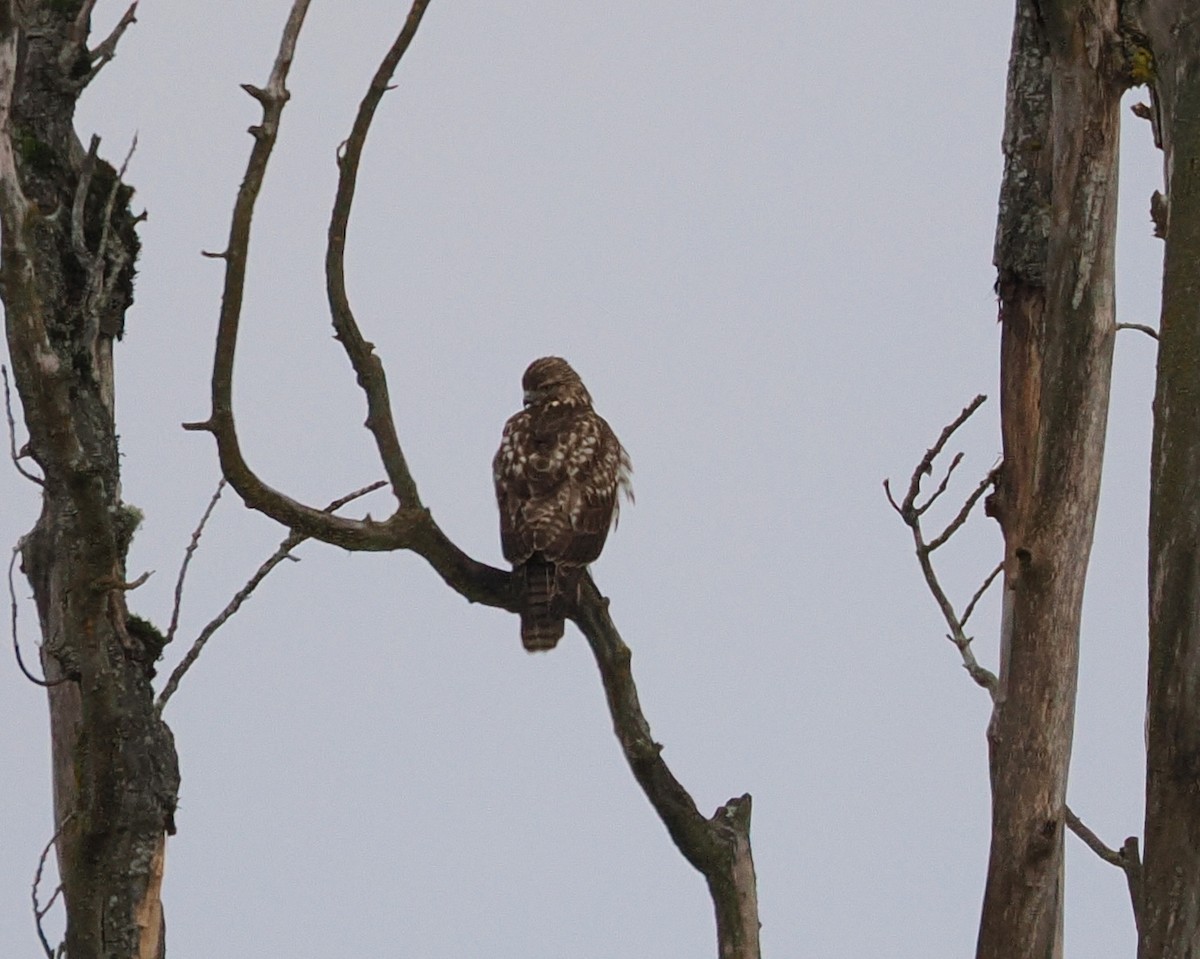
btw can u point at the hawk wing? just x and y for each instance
(557, 478)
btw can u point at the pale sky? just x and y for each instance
(763, 235)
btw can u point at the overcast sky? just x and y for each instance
(762, 233)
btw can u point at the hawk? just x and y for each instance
(558, 472)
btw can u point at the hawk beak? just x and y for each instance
(530, 396)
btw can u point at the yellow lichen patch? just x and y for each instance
(1141, 65)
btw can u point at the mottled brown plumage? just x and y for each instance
(558, 472)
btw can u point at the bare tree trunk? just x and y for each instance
(66, 278)
(1054, 254)
(1171, 884)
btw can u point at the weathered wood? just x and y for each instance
(66, 278)
(1171, 871)
(1054, 256)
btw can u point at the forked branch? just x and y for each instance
(290, 542)
(719, 847)
(1127, 858)
(911, 514)
(410, 526)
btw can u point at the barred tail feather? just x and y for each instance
(542, 625)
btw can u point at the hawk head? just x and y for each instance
(551, 380)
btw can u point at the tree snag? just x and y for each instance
(66, 279)
(1171, 877)
(1055, 260)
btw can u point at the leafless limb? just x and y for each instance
(367, 365)
(925, 467)
(187, 560)
(958, 458)
(77, 34)
(956, 524)
(125, 586)
(1140, 327)
(411, 526)
(106, 49)
(12, 433)
(80, 202)
(911, 514)
(12, 595)
(290, 542)
(39, 912)
(1127, 858)
(717, 846)
(979, 594)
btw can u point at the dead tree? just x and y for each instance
(69, 246)
(1170, 59)
(1055, 264)
(717, 846)
(1070, 63)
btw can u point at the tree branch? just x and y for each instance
(12, 595)
(12, 433)
(1141, 328)
(104, 51)
(911, 515)
(290, 542)
(187, 560)
(39, 912)
(925, 467)
(411, 526)
(367, 365)
(719, 846)
(1127, 858)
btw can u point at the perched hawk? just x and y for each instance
(557, 472)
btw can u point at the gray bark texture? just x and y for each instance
(1055, 261)
(1171, 876)
(66, 279)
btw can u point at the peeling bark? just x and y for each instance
(1054, 256)
(66, 278)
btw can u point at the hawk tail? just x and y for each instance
(542, 623)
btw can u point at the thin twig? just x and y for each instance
(1140, 327)
(290, 542)
(187, 560)
(956, 523)
(39, 912)
(12, 433)
(12, 595)
(1126, 859)
(979, 594)
(1091, 840)
(925, 467)
(958, 458)
(110, 201)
